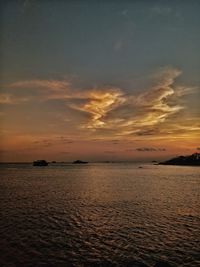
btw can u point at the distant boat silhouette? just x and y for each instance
(80, 162)
(40, 162)
(192, 160)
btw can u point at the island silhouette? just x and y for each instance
(191, 160)
(78, 161)
(40, 162)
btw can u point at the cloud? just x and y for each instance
(145, 111)
(115, 142)
(100, 103)
(54, 85)
(155, 101)
(10, 99)
(149, 149)
(43, 89)
(147, 132)
(198, 148)
(111, 111)
(111, 108)
(109, 152)
(182, 91)
(47, 142)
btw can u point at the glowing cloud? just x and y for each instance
(100, 103)
(109, 110)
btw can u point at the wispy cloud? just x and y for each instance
(137, 114)
(149, 149)
(43, 89)
(100, 103)
(110, 110)
(48, 142)
(109, 152)
(10, 99)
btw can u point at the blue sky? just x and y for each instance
(99, 41)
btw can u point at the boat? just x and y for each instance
(40, 162)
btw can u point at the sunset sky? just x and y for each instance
(99, 80)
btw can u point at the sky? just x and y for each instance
(99, 80)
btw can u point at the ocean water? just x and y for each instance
(99, 215)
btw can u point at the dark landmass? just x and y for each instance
(80, 162)
(192, 160)
(40, 162)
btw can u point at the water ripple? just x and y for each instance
(100, 215)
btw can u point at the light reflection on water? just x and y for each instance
(99, 215)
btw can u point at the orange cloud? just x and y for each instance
(129, 114)
(53, 85)
(12, 99)
(111, 111)
(100, 103)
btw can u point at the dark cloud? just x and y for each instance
(43, 143)
(146, 149)
(67, 142)
(149, 149)
(51, 142)
(115, 142)
(109, 152)
(147, 132)
(130, 150)
(64, 139)
(198, 148)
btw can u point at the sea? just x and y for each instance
(99, 214)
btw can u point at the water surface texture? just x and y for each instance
(99, 215)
